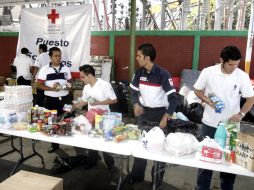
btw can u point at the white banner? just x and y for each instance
(68, 28)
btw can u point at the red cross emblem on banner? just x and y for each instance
(53, 16)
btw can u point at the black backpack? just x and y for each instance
(122, 92)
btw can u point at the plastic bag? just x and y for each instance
(177, 125)
(85, 125)
(90, 115)
(196, 112)
(153, 140)
(180, 144)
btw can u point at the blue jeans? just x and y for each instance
(205, 176)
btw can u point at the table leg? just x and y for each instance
(36, 153)
(22, 158)
(14, 149)
(154, 175)
(119, 185)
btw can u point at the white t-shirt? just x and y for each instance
(228, 87)
(101, 91)
(41, 61)
(23, 64)
(50, 75)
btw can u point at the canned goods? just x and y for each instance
(54, 116)
(39, 125)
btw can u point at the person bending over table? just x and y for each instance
(103, 94)
(154, 99)
(229, 83)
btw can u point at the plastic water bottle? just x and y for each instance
(220, 135)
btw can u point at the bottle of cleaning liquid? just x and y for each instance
(220, 135)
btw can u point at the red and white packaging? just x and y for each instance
(211, 151)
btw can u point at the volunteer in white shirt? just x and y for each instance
(229, 83)
(41, 61)
(24, 66)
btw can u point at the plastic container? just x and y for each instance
(220, 135)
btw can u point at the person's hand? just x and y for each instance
(74, 106)
(164, 121)
(56, 87)
(138, 110)
(236, 118)
(94, 102)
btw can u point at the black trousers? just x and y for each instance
(91, 155)
(22, 81)
(57, 103)
(139, 166)
(40, 98)
(205, 176)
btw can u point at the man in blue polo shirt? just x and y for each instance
(154, 100)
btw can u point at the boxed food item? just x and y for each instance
(30, 181)
(245, 151)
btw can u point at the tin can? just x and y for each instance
(47, 114)
(54, 116)
(39, 125)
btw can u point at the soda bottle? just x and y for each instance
(220, 135)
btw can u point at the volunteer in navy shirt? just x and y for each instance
(50, 79)
(154, 99)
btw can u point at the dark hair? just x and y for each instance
(87, 69)
(51, 50)
(148, 50)
(230, 53)
(24, 51)
(43, 47)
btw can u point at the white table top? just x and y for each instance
(189, 160)
(79, 140)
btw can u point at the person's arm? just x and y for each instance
(35, 70)
(105, 102)
(134, 86)
(245, 109)
(41, 85)
(200, 94)
(167, 86)
(79, 105)
(173, 103)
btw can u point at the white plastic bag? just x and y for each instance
(85, 125)
(180, 144)
(153, 140)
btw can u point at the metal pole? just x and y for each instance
(113, 15)
(250, 40)
(217, 22)
(132, 39)
(143, 21)
(163, 12)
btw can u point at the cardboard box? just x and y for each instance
(24, 180)
(246, 138)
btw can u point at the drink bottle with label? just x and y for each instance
(220, 135)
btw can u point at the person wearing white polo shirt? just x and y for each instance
(24, 65)
(41, 61)
(229, 83)
(51, 79)
(103, 95)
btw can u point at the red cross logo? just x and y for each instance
(53, 16)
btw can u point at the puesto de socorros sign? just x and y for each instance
(68, 28)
